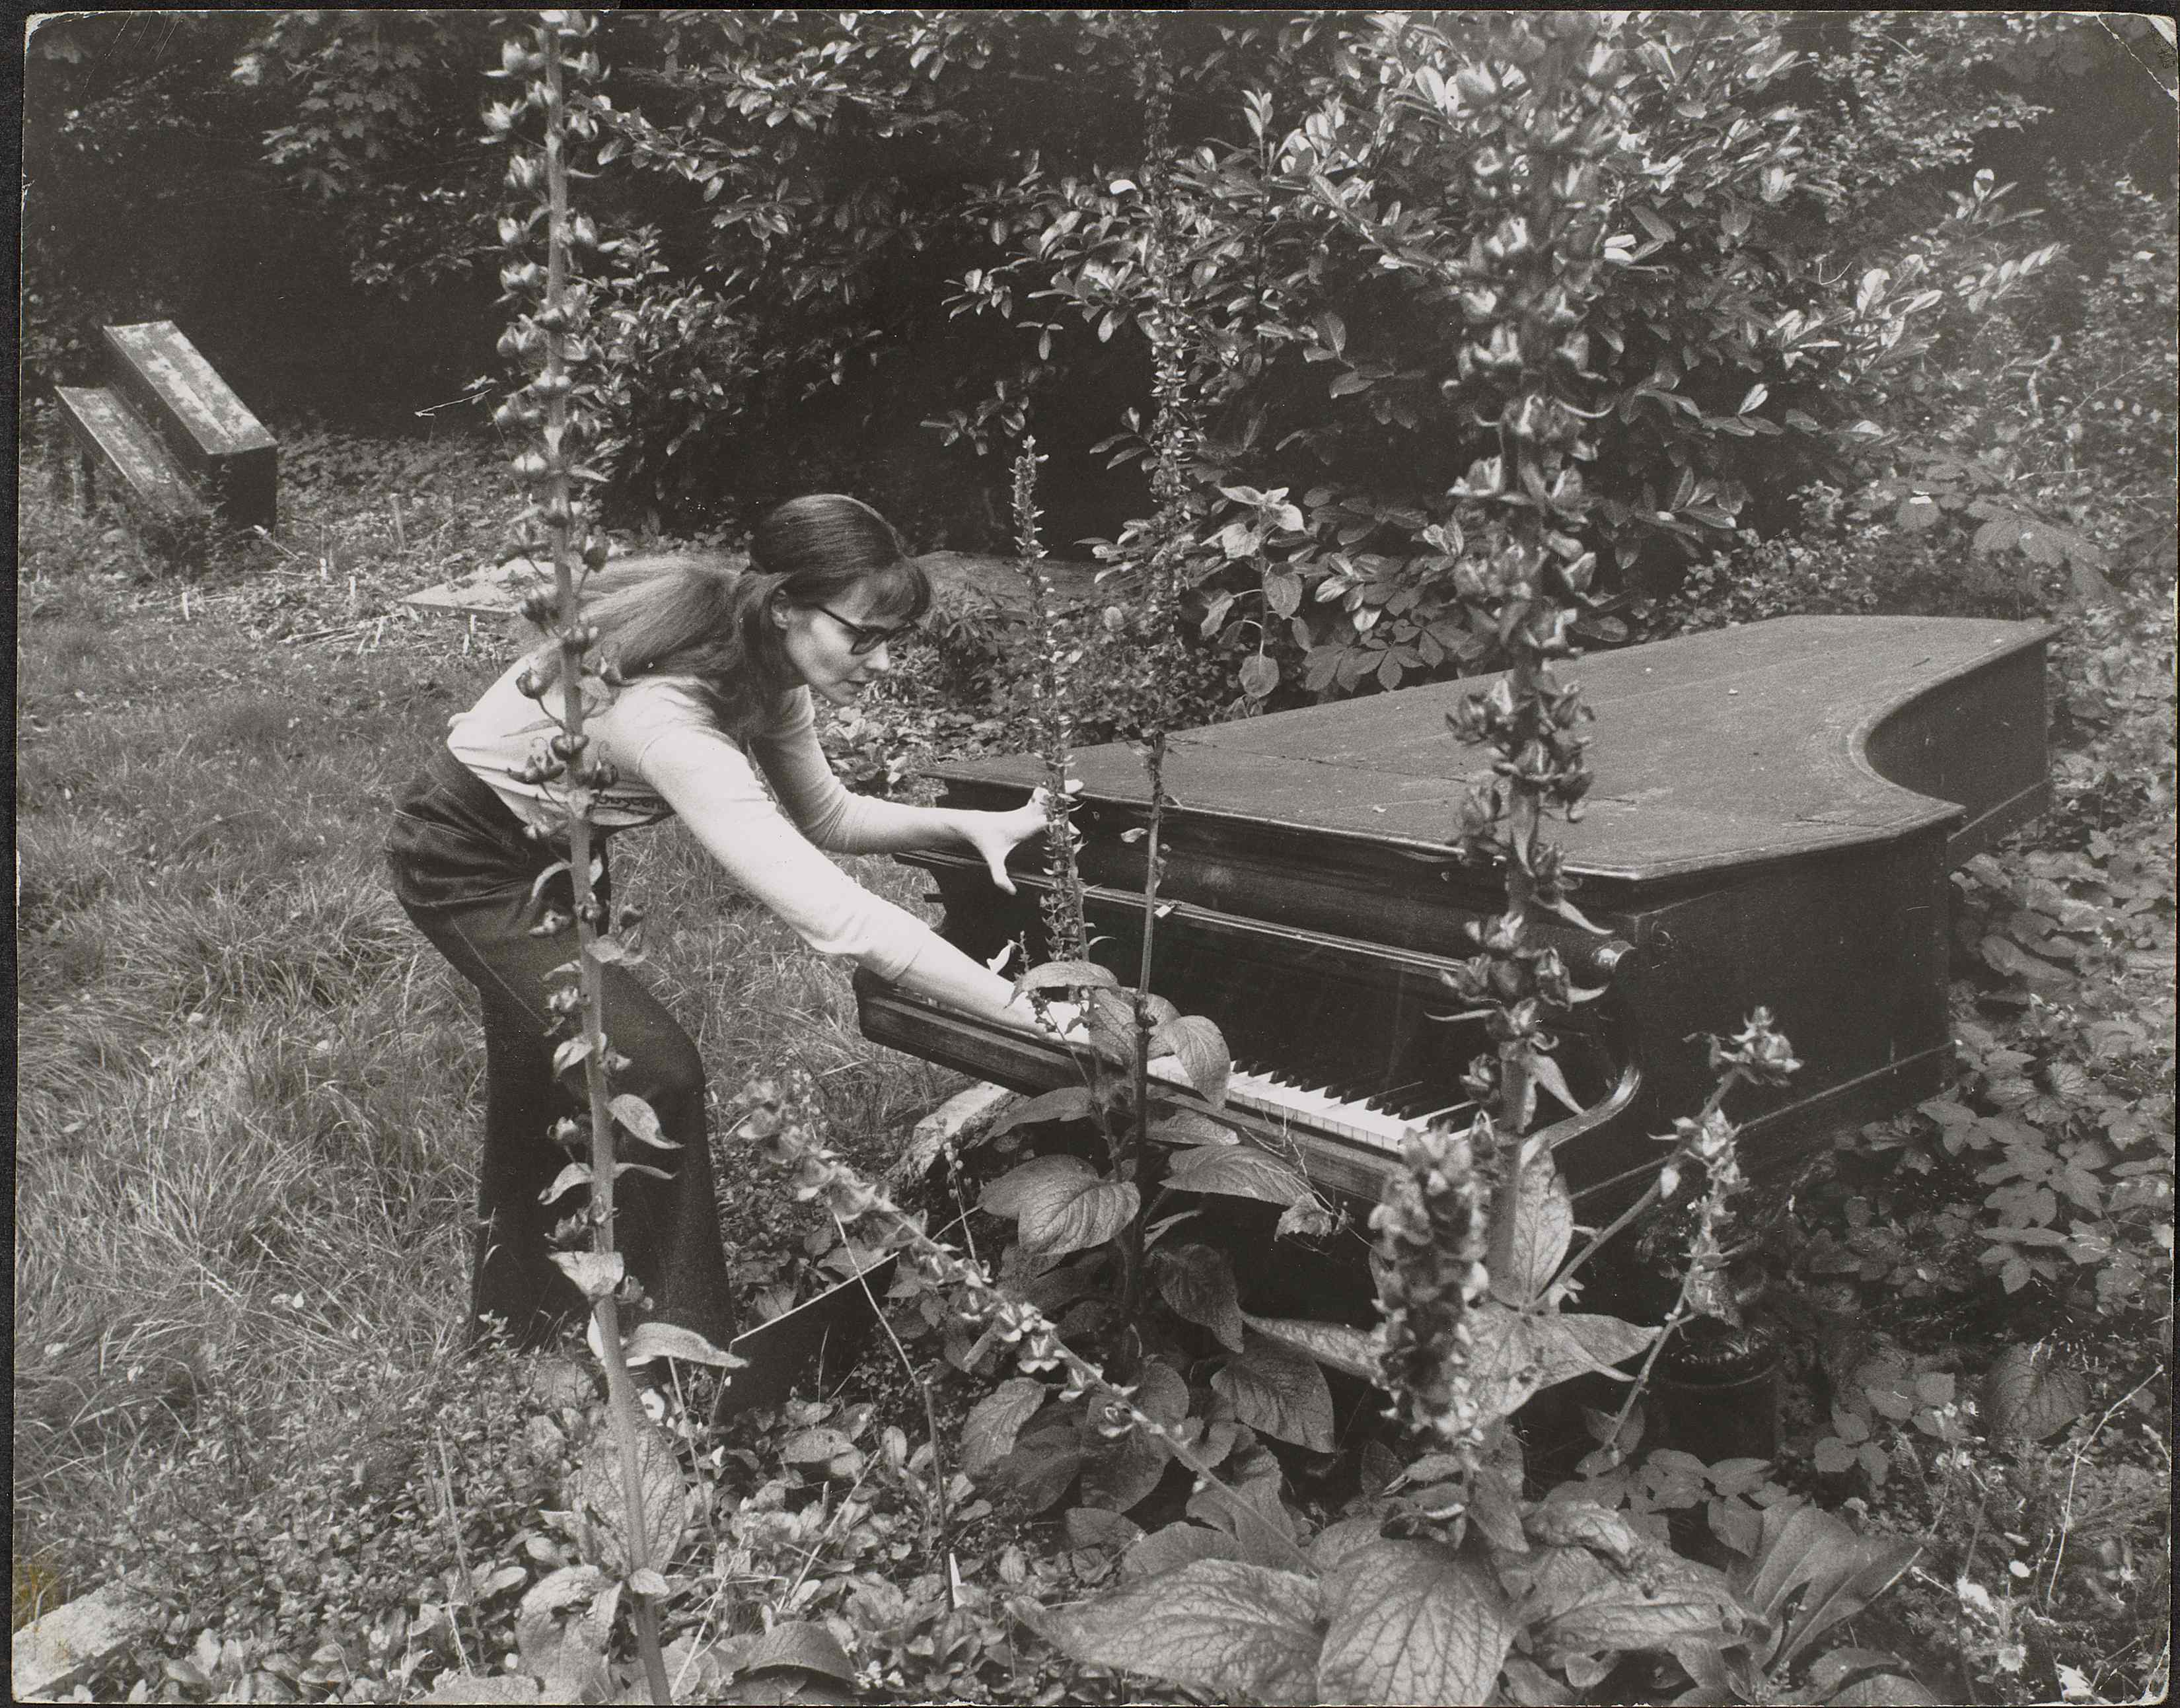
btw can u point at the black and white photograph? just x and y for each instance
(1029, 856)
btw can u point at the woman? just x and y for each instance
(721, 670)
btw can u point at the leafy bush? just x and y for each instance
(1889, 550)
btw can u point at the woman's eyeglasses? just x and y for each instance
(863, 638)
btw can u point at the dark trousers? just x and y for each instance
(467, 872)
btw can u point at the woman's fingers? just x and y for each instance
(995, 850)
(996, 835)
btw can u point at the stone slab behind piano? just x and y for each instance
(1776, 810)
(208, 429)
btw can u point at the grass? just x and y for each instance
(247, 1090)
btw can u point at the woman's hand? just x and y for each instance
(994, 835)
(1063, 1020)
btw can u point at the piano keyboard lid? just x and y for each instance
(1726, 747)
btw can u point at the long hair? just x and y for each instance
(700, 615)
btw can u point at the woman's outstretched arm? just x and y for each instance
(834, 819)
(712, 788)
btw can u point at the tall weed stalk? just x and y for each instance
(554, 339)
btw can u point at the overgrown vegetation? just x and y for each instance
(245, 1085)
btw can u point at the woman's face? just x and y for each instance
(820, 644)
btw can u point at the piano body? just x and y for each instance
(1776, 810)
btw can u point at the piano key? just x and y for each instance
(1388, 1101)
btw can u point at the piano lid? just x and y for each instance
(1728, 748)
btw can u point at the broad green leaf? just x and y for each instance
(668, 1340)
(1111, 1017)
(1656, 1598)
(1027, 1183)
(574, 1175)
(1238, 539)
(596, 1492)
(1065, 976)
(637, 1116)
(1529, 1686)
(1351, 1351)
(1516, 1356)
(1062, 1204)
(1256, 1514)
(1546, 1072)
(1156, 1006)
(1494, 1503)
(799, 1643)
(1219, 1626)
(1162, 1392)
(814, 1446)
(1201, 1050)
(1842, 1571)
(595, 1272)
(1549, 1581)
(1306, 1218)
(1849, 1677)
(1117, 1474)
(1340, 1539)
(1059, 1286)
(989, 1435)
(1199, 1283)
(1068, 1103)
(1192, 1127)
(2010, 958)
(1238, 1171)
(1044, 1461)
(1278, 1392)
(1583, 1524)
(1544, 1228)
(2030, 1394)
(1175, 1546)
(1410, 1622)
(1093, 1527)
(568, 1054)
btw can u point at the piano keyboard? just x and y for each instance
(1348, 1131)
(1379, 1118)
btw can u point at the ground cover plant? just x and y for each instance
(245, 1089)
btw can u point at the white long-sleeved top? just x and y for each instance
(671, 758)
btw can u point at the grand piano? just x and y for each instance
(1776, 810)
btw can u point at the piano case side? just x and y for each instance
(1847, 951)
